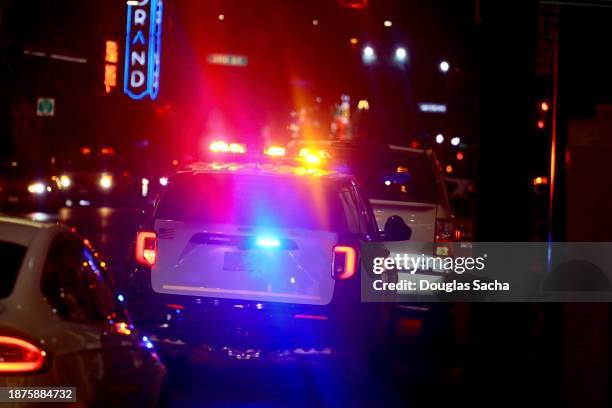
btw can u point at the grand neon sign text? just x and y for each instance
(143, 49)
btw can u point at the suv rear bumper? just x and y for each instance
(198, 320)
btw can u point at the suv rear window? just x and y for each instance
(245, 199)
(12, 257)
(392, 175)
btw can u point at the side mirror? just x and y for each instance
(396, 229)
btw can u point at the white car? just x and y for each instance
(256, 256)
(397, 181)
(61, 324)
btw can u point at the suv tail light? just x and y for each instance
(19, 356)
(344, 263)
(146, 248)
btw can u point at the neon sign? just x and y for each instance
(143, 49)
(111, 57)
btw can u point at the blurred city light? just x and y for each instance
(219, 146)
(363, 104)
(106, 181)
(354, 41)
(444, 66)
(544, 106)
(400, 54)
(111, 52)
(449, 169)
(432, 107)
(163, 181)
(65, 181)
(315, 22)
(37, 188)
(455, 141)
(540, 180)
(368, 54)
(221, 17)
(541, 124)
(439, 138)
(110, 77)
(277, 151)
(388, 23)
(237, 148)
(460, 156)
(145, 187)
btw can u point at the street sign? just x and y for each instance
(45, 107)
(228, 60)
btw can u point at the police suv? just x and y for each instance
(257, 255)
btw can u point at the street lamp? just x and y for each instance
(455, 141)
(369, 55)
(444, 66)
(440, 138)
(400, 54)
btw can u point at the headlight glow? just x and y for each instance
(65, 181)
(106, 181)
(37, 188)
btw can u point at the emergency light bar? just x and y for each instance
(219, 146)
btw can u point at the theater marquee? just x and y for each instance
(143, 48)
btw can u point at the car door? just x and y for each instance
(100, 349)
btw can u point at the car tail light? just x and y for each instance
(344, 263)
(19, 356)
(146, 248)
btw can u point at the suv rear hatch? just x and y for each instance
(247, 236)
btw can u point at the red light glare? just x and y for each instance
(414, 144)
(460, 156)
(107, 151)
(85, 150)
(541, 124)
